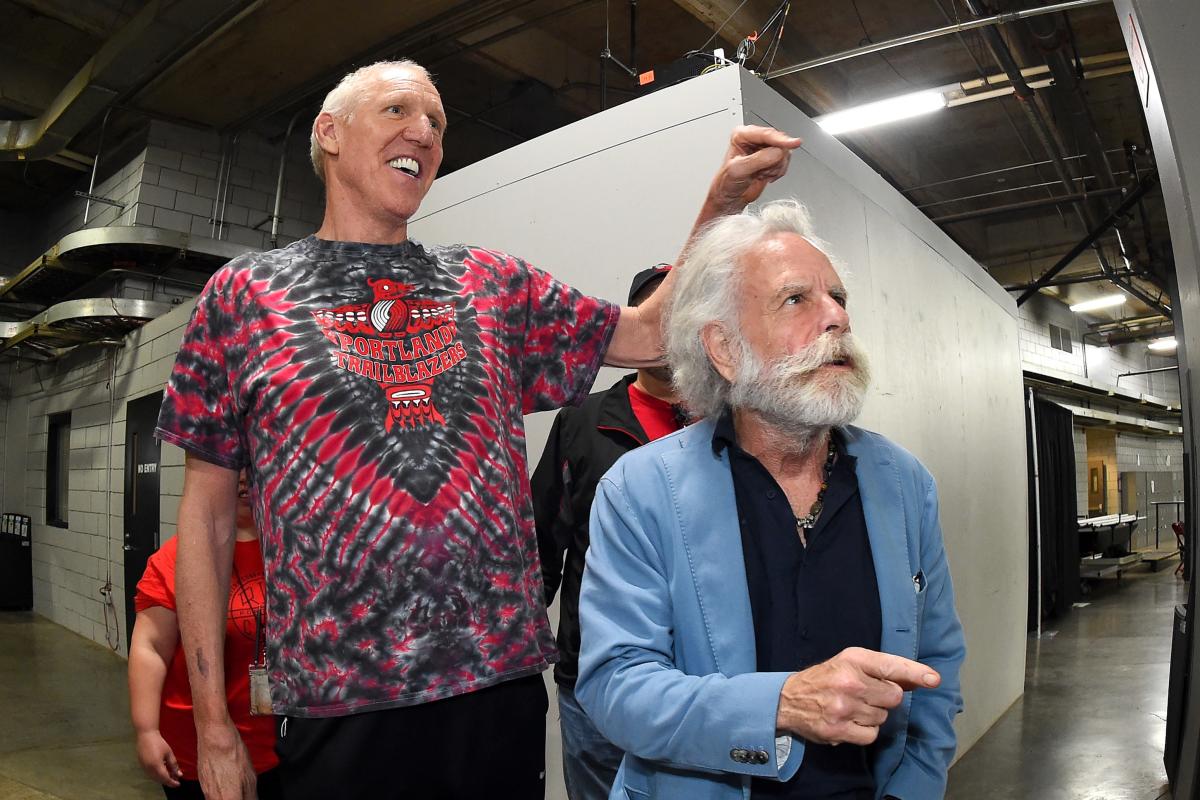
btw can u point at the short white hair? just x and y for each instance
(706, 291)
(345, 98)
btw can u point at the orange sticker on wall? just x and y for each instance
(646, 77)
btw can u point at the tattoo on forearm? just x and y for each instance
(201, 664)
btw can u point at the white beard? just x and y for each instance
(793, 394)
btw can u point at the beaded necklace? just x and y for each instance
(806, 523)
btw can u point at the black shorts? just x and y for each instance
(486, 744)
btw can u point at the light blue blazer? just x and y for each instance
(667, 667)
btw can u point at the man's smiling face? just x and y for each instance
(390, 148)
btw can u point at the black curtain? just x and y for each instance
(1059, 554)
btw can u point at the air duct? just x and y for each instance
(150, 40)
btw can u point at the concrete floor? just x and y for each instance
(1090, 726)
(64, 717)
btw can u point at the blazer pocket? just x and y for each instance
(919, 586)
(636, 778)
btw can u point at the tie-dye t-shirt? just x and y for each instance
(376, 394)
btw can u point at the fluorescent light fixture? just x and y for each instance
(1167, 343)
(1108, 301)
(883, 111)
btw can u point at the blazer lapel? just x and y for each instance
(888, 531)
(712, 540)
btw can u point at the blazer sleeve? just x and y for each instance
(628, 681)
(930, 742)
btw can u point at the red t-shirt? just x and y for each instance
(246, 593)
(657, 417)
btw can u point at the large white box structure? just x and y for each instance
(597, 201)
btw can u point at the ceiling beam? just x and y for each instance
(85, 17)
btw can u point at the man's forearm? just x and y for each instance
(202, 588)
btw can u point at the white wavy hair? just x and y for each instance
(345, 98)
(706, 291)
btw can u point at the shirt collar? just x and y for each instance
(725, 436)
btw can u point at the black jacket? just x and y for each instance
(583, 444)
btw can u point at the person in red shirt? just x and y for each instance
(160, 699)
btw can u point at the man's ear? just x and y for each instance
(720, 349)
(326, 129)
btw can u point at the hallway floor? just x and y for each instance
(1091, 724)
(64, 717)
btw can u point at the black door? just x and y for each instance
(141, 495)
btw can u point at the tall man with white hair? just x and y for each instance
(374, 388)
(770, 583)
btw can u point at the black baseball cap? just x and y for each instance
(644, 278)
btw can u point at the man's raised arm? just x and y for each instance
(756, 157)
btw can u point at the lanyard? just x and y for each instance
(260, 639)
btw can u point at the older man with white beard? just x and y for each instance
(770, 583)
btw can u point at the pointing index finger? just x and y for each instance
(903, 672)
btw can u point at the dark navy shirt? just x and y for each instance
(808, 603)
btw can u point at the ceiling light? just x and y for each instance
(883, 111)
(1108, 301)
(1167, 343)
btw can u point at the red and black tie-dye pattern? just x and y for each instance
(376, 394)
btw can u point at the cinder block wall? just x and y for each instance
(71, 565)
(179, 186)
(172, 183)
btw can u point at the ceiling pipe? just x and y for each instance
(1069, 280)
(985, 23)
(1029, 72)
(1026, 205)
(960, 98)
(1125, 323)
(1053, 40)
(1145, 372)
(991, 172)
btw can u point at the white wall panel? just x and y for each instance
(596, 201)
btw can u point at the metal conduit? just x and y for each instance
(984, 22)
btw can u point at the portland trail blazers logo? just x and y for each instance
(402, 344)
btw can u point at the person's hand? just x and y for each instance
(756, 156)
(223, 764)
(157, 759)
(847, 698)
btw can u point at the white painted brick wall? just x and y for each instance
(1103, 364)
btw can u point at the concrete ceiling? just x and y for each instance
(510, 70)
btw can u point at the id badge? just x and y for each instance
(260, 692)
